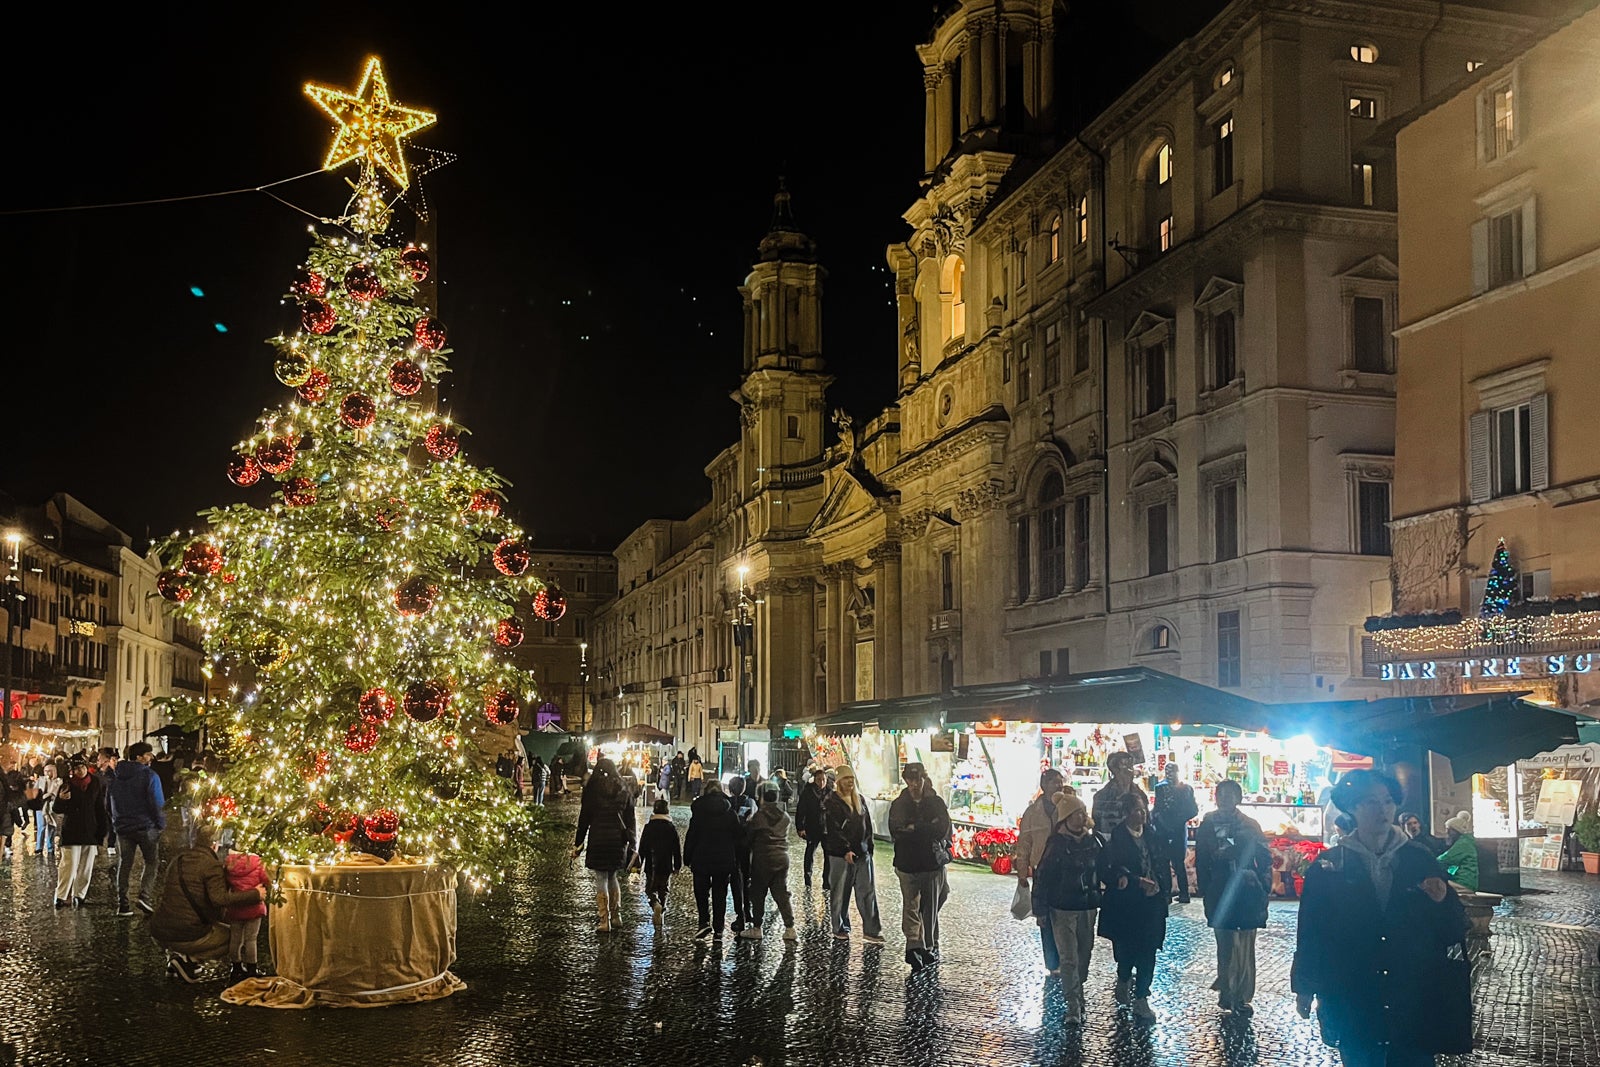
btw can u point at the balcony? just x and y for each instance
(669, 682)
(943, 622)
(632, 687)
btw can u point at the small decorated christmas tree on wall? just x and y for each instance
(364, 618)
(1498, 591)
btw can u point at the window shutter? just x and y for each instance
(1539, 442)
(1478, 435)
(1480, 256)
(1530, 230)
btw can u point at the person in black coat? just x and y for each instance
(919, 824)
(1174, 807)
(1233, 869)
(710, 851)
(744, 807)
(605, 817)
(808, 821)
(1376, 923)
(83, 826)
(660, 856)
(1066, 885)
(847, 849)
(1134, 915)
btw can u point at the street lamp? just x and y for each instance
(14, 599)
(583, 677)
(743, 632)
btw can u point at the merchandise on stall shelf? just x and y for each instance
(1291, 858)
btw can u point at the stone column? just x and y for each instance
(1030, 79)
(970, 83)
(832, 623)
(1000, 71)
(888, 634)
(988, 112)
(931, 149)
(1047, 73)
(943, 139)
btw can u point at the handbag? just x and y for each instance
(1452, 1018)
(1022, 900)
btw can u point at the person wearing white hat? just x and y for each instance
(1460, 860)
(1066, 883)
(847, 846)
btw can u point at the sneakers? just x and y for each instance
(236, 973)
(872, 939)
(789, 933)
(1142, 1010)
(751, 933)
(182, 968)
(124, 911)
(61, 904)
(145, 906)
(841, 935)
(703, 934)
(1123, 993)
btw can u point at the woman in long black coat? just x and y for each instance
(605, 817)
(1133, 916)
(1233, 869)
(1376, 922)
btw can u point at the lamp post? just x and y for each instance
(583, 678)
(743, 632)
(14, 599)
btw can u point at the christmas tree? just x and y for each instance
(1498, 591)
(362, 620)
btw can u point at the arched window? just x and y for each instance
(1052, 505)
(1158, 638)
(958, 299)
(1158, 236)
(1364, 52)
(1055, 238)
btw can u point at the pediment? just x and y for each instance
(1379, 268)
(847, 499)
(1216, 291)
(1148, 322)
(938, 522)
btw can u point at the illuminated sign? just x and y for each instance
(1493, 667)
(80, 628)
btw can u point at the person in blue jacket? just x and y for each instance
(138, 819)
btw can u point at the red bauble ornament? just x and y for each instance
(426, 701)
(276, 455)
(417, 264)
(357, 411)
(429, 334)
(341, 827)
(228, 577)
(222, 807)
(415, 596)
(405, 378)
(174, 586)
(361, 736)
(202, 557)
(361, 282)
(508, 633)
(244, 471)
(550, 603)
(487, 502)
(501, 708)
(441, 441)
(511, 557)
(381, 826)
(314, 388)
(298, 492)
(314, 764)
(376, 705)
(317, 316)
(308, 282)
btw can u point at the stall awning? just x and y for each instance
(634, 735)
(1475, 731)
(1128, 694)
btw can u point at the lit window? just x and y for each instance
(958, 300)
(1222, 160)
(1165, 231)
(1513, 450)
(1083, 218)
(1055, 238)
(1505, 248)
(1500, 119)
(1363, 107)
(1225, 75)
(1361, 183)
(1364, 53)
(1473, 64)
(1164, 164)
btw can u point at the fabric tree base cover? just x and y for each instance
(362, 934)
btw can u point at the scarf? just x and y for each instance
(1379, 863)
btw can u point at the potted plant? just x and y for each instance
(1587, 831)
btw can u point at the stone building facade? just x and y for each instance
(1147, 377)
(558, 652)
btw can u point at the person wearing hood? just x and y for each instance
(83, 827)
(188, 923)
(808, 821)
(1377, 918)
(744, 808)
(847, 848)
(1134, 915)
(660, 855)
(1460, 859)
(1411, 823)
(137, 815)
(768, 830)
(605, 817)
(1032, 834)
(1066, 885)
(709, 850)
(1233, 870)
(919, 824)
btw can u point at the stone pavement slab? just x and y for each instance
(544, 988)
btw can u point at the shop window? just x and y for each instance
(1229, 651)
(1372, 518)
(1155, 530)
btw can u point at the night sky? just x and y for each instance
(614, 179)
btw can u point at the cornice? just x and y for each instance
(942, 451)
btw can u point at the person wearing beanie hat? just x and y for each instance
(1032, 834)
(1066, 887)
(1460, 860)
(1233, 870)
(847, 851)
(1134, 914)
(919, 823)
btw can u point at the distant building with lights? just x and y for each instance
(558, 652)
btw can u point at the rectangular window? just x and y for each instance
(1154, 367)
(1225, 520)
(1063, 662)
(1155, 533)
(1024, 574)
(1044, 663)
(1005, 366)
(1505, 248)
(1023, 352)
(1513, 451)
(1080, 542)
(1361, 183)
(793, 427)
(580, 627)
(1499, 122)
(1052, 355)
(580, 583)
(1369, 339)
(1165, 234)
(1080, 347)
(1372, 518)
(1164, 165)
(1082, 228)
(1053, 549)
(1222, 159)
(1224, 349)
(550, 629)
(1363, 107)
(947, 581)
(1229, 658)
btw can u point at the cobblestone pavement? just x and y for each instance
(544, 988)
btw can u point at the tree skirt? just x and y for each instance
(362, 934)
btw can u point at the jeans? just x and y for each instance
(538, 794)
(695, 785)
(75, 871)
(711, 898)
(1236, 966)
(742, 857)
(922, 894)
(812, 844)
(1136, 963)
(44, 832)
(776, 882)
(1177, 850)
(1074, 938)
(213, 946)
(843, 878)
(242, 937)
(1047, 942)
(147, 842)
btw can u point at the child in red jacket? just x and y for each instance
(245, 871)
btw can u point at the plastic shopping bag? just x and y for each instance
(1022, 900)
